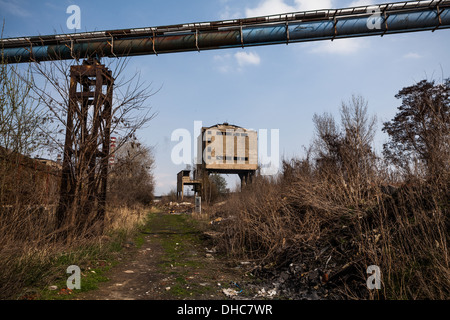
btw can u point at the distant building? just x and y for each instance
(51, 163)
(28, 181)
(184, 179)
(226, 148)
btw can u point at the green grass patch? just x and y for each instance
(180, 238)
(39, 274)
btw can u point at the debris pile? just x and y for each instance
(178, 208)
(298, 281)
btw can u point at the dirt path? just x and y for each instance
(172, 262)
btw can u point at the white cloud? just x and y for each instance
(339, 46)
(230, 13)
(268, 7)
(226, 63)
(304, 5)
(221, 57)
(247, 58)
(164, 182)
(412, 55)
(223, 62)
(361, 3)
(15, 7)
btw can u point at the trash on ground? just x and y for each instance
(266, 294)
(230, 292)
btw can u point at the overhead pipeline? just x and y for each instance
(329, 24)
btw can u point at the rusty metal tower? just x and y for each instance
(87, 147)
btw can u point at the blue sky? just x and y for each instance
(272, 87)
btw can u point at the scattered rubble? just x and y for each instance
(65, 291)
(178, 208)
(296, 282)
(216, 221)
(266, 294)
(230, 292)
(314, 273)
(212, 250)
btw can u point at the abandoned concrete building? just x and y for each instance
(223, 149)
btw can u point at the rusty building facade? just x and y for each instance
(28, 181)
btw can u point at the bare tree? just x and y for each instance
(51, 85)
(27, 186)
(420, 131)
(21, 122)
(21, 134)
(359, 133)
(344, 155)
(81, 131)
(326, 142)
(132, 181)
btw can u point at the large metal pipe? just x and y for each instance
(286, 28)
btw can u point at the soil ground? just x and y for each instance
(172, 261)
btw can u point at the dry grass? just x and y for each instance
(343, 208)
(32, 252)
(126, 218)
(31, 257)
(305, 217)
